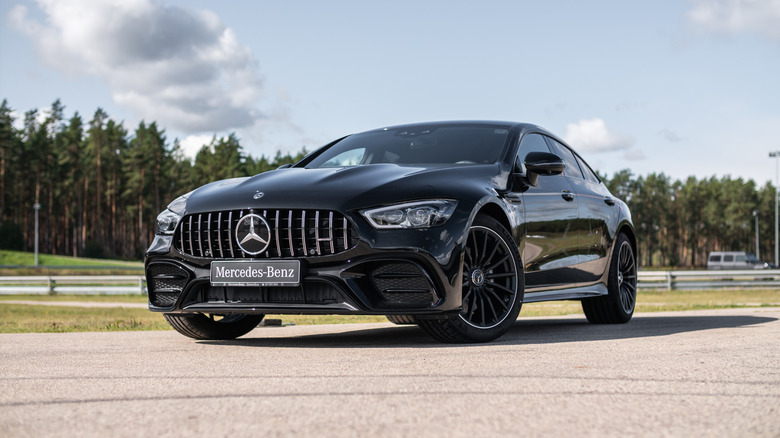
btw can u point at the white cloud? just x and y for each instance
(182, 68)
(593, 135)
(737, 16)
(192, 144)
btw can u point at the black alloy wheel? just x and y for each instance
(617, 307)
(212, 326)
(493, 285)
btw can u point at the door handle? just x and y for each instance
(609, 201)
(567, 196)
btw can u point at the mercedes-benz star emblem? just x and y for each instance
(253, 234)
(258, 195)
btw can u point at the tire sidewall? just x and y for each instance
(613, 284)
(488, 334)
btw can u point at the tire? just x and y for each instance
(401, 319)
(213, 327)
(617, 307)
(493, 285)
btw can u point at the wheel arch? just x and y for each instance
(495, 211)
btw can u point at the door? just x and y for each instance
(596, 210)
(549, 249)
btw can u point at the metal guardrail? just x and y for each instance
(74, 285)
(670, 280)
(134, 284)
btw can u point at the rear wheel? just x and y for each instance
(617, 306)
(213, 327)
(492, 290)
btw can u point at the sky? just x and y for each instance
(686, 87)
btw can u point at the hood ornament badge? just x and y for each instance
(258, 195)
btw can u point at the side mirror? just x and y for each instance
(542, 163)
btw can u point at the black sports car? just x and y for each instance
(450, 225)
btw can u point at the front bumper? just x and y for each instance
(387, 272)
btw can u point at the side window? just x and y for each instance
(531, 143)
(590, 175)
(728, 258)
(572, 168)
(715, 258)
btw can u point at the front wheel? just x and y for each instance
(617, 307)
(213, 327)
(493, 286)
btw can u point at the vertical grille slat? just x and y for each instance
(303, 233)
(230, 234)
(317, 231)
(192, 249)
(200, 240)
(277, 225)
(208, 236)
(293, 233)
(346, 237)
(290, 233)
(219, 235)
(330, 233)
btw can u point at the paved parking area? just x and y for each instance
(704, 373)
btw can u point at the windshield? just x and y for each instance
(416, 145)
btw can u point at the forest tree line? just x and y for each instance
(100, 187)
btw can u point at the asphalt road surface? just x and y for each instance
(707, 373)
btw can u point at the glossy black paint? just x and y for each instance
(564, 226)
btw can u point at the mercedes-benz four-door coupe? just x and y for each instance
(451, 226)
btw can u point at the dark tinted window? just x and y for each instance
(728, 258)
(590, 175)
(715, 258)
(462, 145)
(531, 143)
(572, 168)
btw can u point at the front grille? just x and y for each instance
(165, 282)
(294, 233)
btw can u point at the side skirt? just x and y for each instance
(575, 293)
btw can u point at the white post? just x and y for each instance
(755, 215)
(37, 207)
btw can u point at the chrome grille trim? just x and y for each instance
(317, 231)
(289, 233)
(230, 234)
(295, 233)
(219, 235)
(276, 233)
(330, 233)
(208, 237)
(200, 240)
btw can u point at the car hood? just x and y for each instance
(343, 188)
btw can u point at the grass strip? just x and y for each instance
(22, 318)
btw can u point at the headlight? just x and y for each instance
(423, 214)
(169, 219)
(166, 223)
(178, 204)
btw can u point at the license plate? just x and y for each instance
(256, 273)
